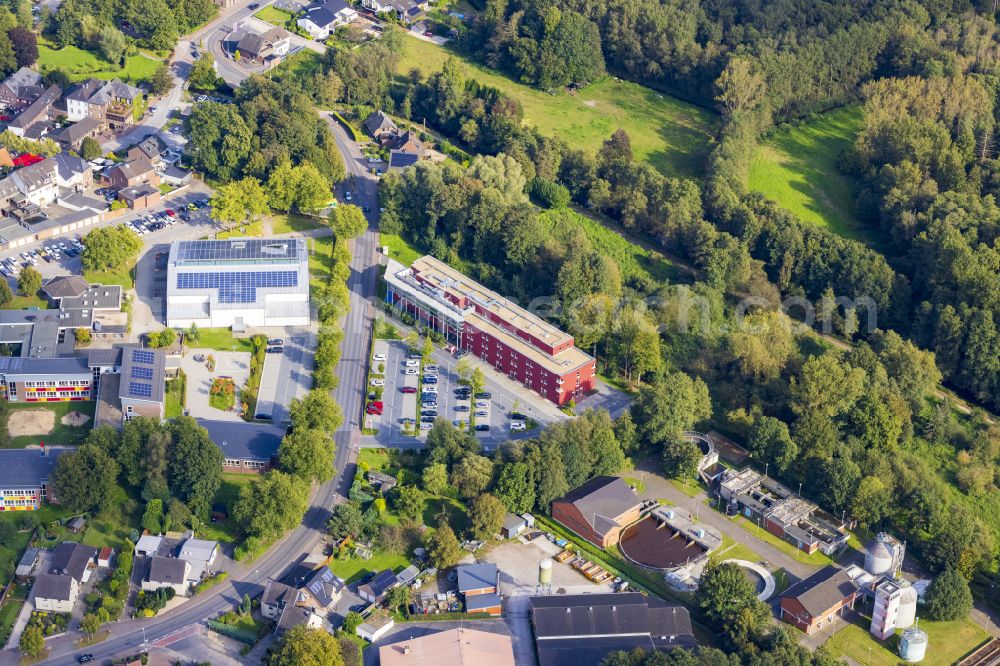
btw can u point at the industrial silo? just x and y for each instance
(545, 571)
(878, 558)
(913, 645)
(906, 613)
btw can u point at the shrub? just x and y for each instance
(550, 194)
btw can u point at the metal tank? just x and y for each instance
(545, 571)
(913, 645)
(878, 558)
(906, 612)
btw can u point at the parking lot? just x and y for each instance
(286, 376)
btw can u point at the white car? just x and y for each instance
(378, 357)
(430, 389)
(378, 382)
(482, 404)
(426, 426)
(413, 363)
(429, 405)
(347, 195)
(412, 371)
(62, 246)
(517, 425)
(431, 368)
(482, 412)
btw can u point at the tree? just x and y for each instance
(435, 478)
(90, 149)
(162, 80)
(113, 44)
(741, 86)
(220, 140)
(271, 505)
(84, 480)
(515, 488)
(32, 641)
(302, 646)
(308, 454)
(152, 519)
(671, 406)
(409, 502)
(6, 295)
(110, 248)
(25, 45)
(351, 622)
(239, 201)
(202, 76)
(486, 514)
(348, 221)
(312, 189)
(770, 441)
(443, 547)
(871, 501)
(29, 282)
(194, 470)
(681, 458)
(729, 602)
(317, 410)
(90, 624)
(949, 596)
(472, 475)
(345, 520)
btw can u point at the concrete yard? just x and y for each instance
(199, 380)
(518, 565)
(286, 376)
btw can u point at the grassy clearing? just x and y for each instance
(121, 278)
(174, 406)
(689, 487)
(221, 339)
(947, 643)
(253, 230)
(797, 168)
(25, 302)
(61, 435)
(79, 64)
(670, 134)
(400, 249)
(733, 550)
(227, 495)
(354, 568)
(320, 261)
(10, 609)
(274, 15)
(304, 63)
(286, 223)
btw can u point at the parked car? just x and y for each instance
(411, 371)
(517, 425)
(275, 350)
(482, 428)
(378, 382)
(427, 419)
(276, 341)
(483, 395)
(85, 658)
(429, 412)
(430, 389)
(482, 412)
(517, 416)
(412, 363)
(373, 411)
(481, 404)
(378, 357)
(430, 380)
(408, 389)
(426, 426)
(461, 408)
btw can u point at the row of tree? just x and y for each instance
(99, 24)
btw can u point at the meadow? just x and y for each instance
(796, 167)
(80, 64)
(670, 134)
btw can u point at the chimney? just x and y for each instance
(406, 649)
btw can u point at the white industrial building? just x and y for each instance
(237, 283)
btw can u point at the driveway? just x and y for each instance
(199, 380)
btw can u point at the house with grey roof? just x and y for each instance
(374, 591)
(321, 19)
(380, 126)
(73, 559)
(71, 137)
(143, 383)
(25, 481)
(321, 589)
(599, 509)
(276, 597)
(200, 554)
(37, 113)
(263, 48)
(110, 103)
(130, 174)
(170, 572)
(21, 88)
(248, 448)
(480, 578)
(75, 172)
(55, 593)
(817, 601)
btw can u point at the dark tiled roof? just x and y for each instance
(53, 586)
(72, 558)
(601, 500)
(378, 122)
(477, 576)
(27, 467)
(245, 441)
(377, 586)
(278, 594)
(480, 601)
(77, 130)
(65, 285)
(823, 590)
(38, 107)
(293, 616)
(169, 570)
(324, 586)
(136, 192)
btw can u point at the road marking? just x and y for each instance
(179, 635)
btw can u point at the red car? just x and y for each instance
(377, 404)
(170, 212)
(408, 389)
(374, 411)
(5, 119)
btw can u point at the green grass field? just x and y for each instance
(174, 404)
(797, 168)
(227, 495)
(123, 279)
(354, 568)
(286, 223)
(221, 339)
(274, 15)
(816, 559)
(947, 643)
(61, 434)
(79, 64)
(399, 249)
(671, 134)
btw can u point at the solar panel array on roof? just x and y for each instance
(141, 372)
(237, 287)
(142, 356)
(238, 250)
(317, 584)
(140, 389)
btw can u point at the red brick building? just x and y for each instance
(815, 603)
(599, 510)
(511, 339)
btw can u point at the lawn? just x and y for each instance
(301, 64)
(10, 609)
(354, 568)
(689, 487)
(62, 435)
(797, 168)
(733, 550)
(227, 495)
(175, 396)
(671, 134)
(253, 230)
(947, 643)
(113, 527)
(80, 64)
(286, 223)
(25, 302)
(221, 339)
(320, 261)
(122, 278)
(399, 249)
(274, 15)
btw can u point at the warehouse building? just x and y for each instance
(473, 318)
(238, 283)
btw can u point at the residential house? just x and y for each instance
(21, 88)
(143, 383)
(264, 48)
(384, 482)
(130, 174)
(71, 137)
(405, 11)
(293, 616)
(56, 593)
(275, 598)
(815, 602)
(34, 119)
(168, 572)
(582, 629)
(77, 101)
(321, 590)
(35, 185)
(320, 19)
(151, 148)
(111, 103)
(454, 647)
(73, 172)
(147, 545)
(598, 510)
(73, 559)
(200, 554)
(5, 159)
(375, 627)
(248, 448)
(374, 591)
(381, 127)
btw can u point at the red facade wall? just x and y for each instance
(795, 614)
(567, 514)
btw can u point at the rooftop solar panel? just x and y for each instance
(237, 287)
(238, 250)
(142, 356)
(141, 372)
(140, 389)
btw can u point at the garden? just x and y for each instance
(222, 394)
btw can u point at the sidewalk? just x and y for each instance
(22, 621)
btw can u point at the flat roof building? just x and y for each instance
(45, 379)
(237, 283)
(514, 341)
(454, 647)
(249, 448)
